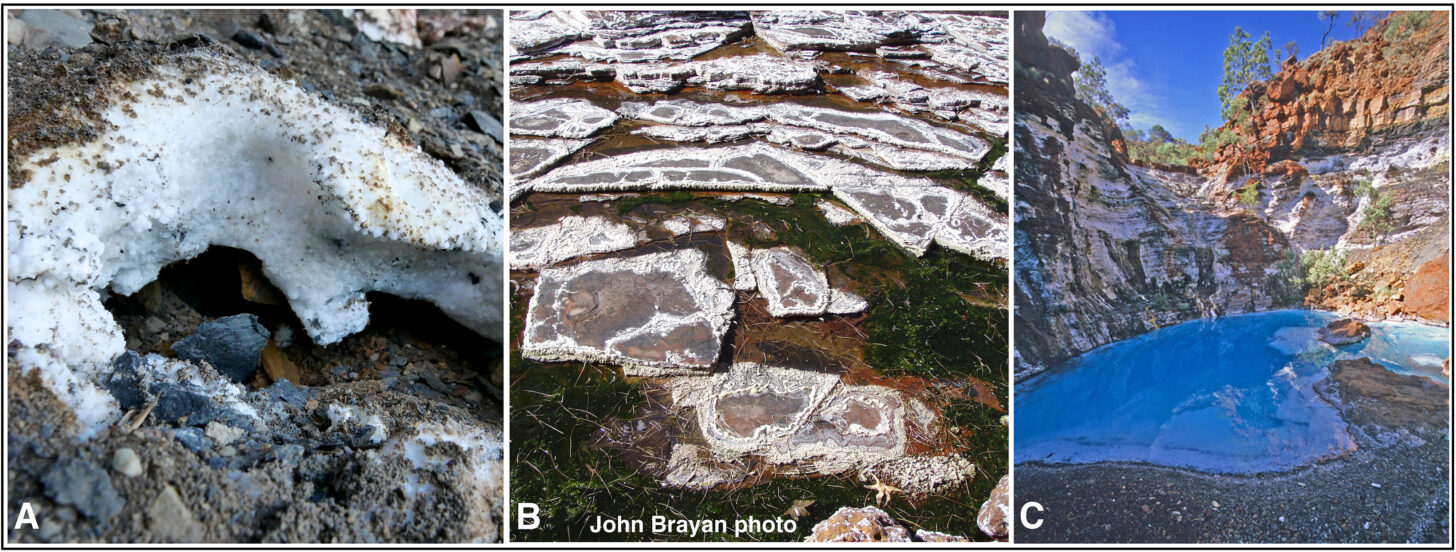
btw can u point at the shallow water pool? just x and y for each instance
(1230, 395)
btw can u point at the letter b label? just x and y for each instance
(526, 517)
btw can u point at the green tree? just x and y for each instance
(1091, 82)
(1362, 20)
(1244, 62)
(1159, 135)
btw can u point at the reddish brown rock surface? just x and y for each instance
(1428, 291)
(1341, 95)
(1345, 331)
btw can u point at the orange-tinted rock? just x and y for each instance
(868, 524)
(1428, 291)
(1344, 332)
(1287, 167)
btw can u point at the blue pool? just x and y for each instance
(1231, 395)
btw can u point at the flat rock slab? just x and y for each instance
(570, 237)
(792, 285)
(530, 158)
(747, 167)
(806, 422)
(976, 230)
(835, 30)
(654, 314)
(760, 74)
(1369, 394)
(560, 118)
(910, 217)
(789, 282)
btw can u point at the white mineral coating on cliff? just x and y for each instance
(560, 118)
(805, 422)
(657, 314)
(570, 237)
(530, 158)
(211, 151)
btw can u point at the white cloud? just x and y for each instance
(1093, 34)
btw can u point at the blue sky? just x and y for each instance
(1166, 66)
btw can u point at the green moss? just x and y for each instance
(627, 204)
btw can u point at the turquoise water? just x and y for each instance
(1229, 395)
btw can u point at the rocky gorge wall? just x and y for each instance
(1107, 249)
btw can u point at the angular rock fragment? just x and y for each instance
(624, 37)
(85, 485)
(743, 279)
(995, 514)
(660, 313)
(232, 345)
(868, 524)
(693, 223)
(844, 302)
(570, 237)
(560, 118)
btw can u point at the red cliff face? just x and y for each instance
(1395, 75)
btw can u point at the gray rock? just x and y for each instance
(287, 393)
(55, 27)
(288, 455)
(84, 485)
(191, 405)
(125, 382)
(192, 438)
(230, 344)
(483, 123)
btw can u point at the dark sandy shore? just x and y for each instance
(1394, 488)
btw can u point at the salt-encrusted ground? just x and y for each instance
(729, 213)
(251, 292)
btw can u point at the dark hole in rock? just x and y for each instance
(405, 337)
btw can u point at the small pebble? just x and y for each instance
(126, 462)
